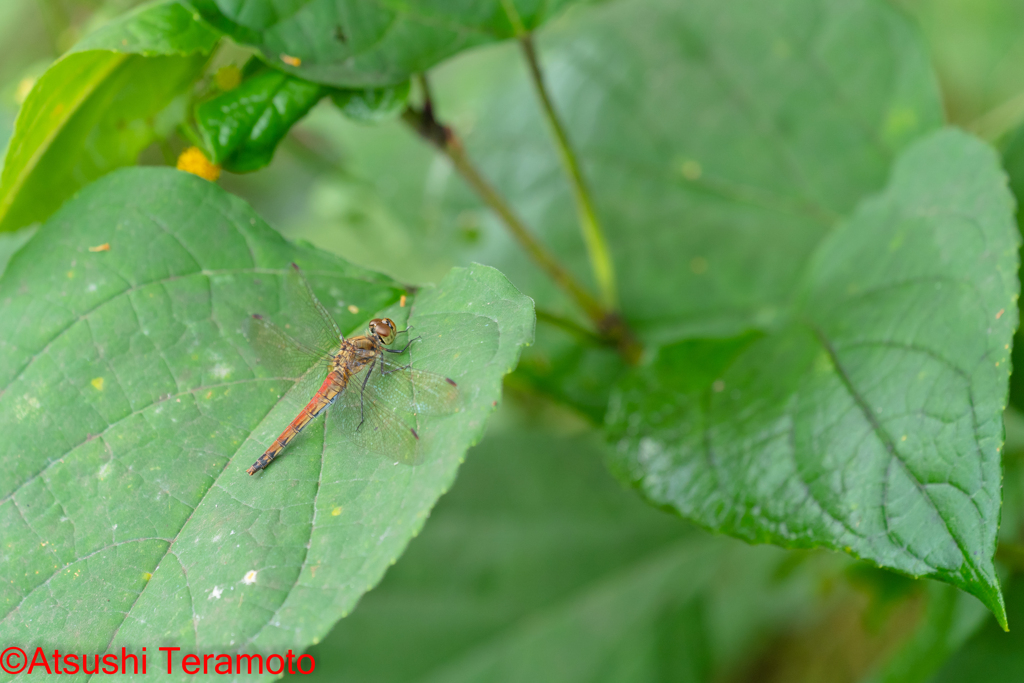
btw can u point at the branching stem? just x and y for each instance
(610, 326)
(447, 142)
(597, 246)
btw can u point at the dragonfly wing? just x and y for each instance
(307, 384)
(417, 391)
(286, 357)
(281, 353)
(310, 323)
(374, 416)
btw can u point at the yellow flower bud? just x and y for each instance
(192, 160)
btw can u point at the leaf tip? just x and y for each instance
(999, 611)
(990, 595)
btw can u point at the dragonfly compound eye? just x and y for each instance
(383, 329)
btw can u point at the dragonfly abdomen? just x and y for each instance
(325, 395)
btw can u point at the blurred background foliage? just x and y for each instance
(545, 568)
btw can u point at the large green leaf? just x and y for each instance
(357, 43)
(132, 406)
(100, 105)
(869, 418)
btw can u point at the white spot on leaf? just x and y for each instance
(104, 471)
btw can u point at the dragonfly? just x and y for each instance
(380, 393)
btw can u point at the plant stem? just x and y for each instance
(597, 247)
(445, 140)
(578, 331)
(190, 134)
(997, 122)
(610, 326)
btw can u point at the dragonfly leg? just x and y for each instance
(406, 347)
(385, 373)
(407, 366)
(362, 391)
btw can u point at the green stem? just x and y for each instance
(513, 17)
(610, 326)
(446, 141)
(997, 122)
(191, 136)
(597, 246)
(578, 331)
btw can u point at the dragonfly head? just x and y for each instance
(383, 329)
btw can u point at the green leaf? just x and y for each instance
(164, 27)
(10, 243)
(537, 566)
(372, 105)
(869, 418)
(242, 127)
(132, 405)
(356, 43)
(100, 105)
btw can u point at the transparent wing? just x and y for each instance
(285, 356)
(379, 410)
(281, 353)
(302, 347)
(306, 320)
(374, 426)
(416, 391)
